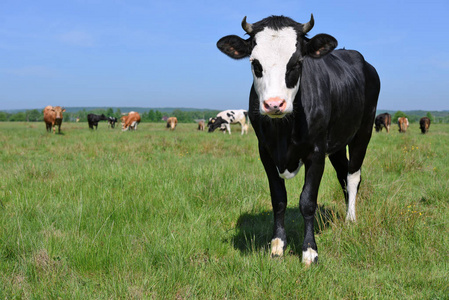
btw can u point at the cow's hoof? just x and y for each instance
(350, 218)
(277, 248)
(310, 256)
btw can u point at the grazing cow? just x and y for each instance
(424, 124)
(172, 122)
(383, 121)
(111, 122)
(403, 124)
(130, 121)
(53, 117)
(306, 102)
(224, 119)
(201, 125)
(93, 119)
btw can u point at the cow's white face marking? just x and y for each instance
(277, 247)
(273, 50)
(353, 182)
(289, 175)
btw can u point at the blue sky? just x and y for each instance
(162, 53)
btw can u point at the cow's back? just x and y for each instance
(339, 95)
(49, 115)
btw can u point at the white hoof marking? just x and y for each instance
(277, 247)
(310, 256)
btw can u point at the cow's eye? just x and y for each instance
(257, 68)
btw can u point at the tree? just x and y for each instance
(109, 112)
(4, 116)
(118, 113)
(158, 116)
(397, 115)
(429, 115)
(18, 117)
(151, 116)
(34, 115)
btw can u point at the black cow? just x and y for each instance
(424, 124)
(307, 101)
(93, 120)
(383, 121)
(111, 122)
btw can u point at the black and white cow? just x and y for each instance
(224, 119)
(111, 122)
(307, 101)
(93, 119)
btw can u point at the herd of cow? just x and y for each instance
(53, 116)
(384, 121)
(307, 102)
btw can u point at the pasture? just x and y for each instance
(187, 214)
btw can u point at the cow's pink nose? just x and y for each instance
(274, 106)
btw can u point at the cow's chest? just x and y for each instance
(286, 149)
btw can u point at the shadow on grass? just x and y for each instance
(254, 231)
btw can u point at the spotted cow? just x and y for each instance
(130, 121)
(224, 119)
(307, 101)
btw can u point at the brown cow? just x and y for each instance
(201, 125)
(172, 122)
(403, 124)
(53, 117)
(130, 121)
(383, 121)
(424, 124)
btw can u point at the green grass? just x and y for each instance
(187, 214)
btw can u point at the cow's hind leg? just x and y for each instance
(357, 151)
(340, 163)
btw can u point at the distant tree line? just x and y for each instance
(35, 115)
(412, 118)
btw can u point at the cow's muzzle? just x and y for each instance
(274, 107)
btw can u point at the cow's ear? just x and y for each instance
(63, 110)
(320, 45)
(234, 46)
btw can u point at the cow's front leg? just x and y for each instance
(308, 202)
(279, 203)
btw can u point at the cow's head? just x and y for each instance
(215, 123)
(58, 112)
(276, 48)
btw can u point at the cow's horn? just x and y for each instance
(309, 25)
(248, 27)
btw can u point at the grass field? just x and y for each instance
(187, 214)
